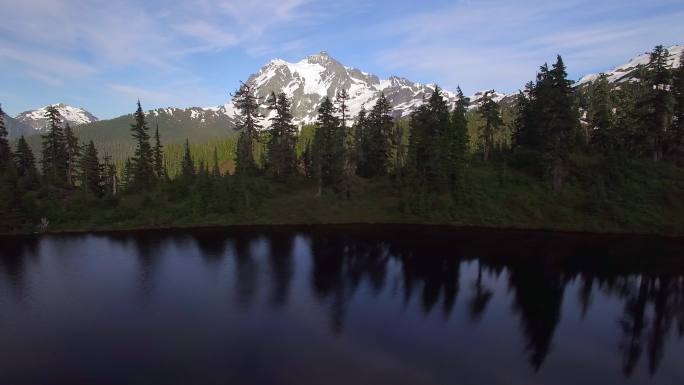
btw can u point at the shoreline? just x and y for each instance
(285, 225)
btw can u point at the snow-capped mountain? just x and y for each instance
(476, 98)
(75, 116)
(625, 71)
(308, 81)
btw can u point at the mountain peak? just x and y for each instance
(625, 72)
(73, 115)
(322, 58)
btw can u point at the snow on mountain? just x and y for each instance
(73, 115)
(476, 98)
(624, 72)
(194, 115)
(308, 81)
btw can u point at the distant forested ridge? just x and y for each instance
(599, 157)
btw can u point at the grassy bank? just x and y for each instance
(640, 197)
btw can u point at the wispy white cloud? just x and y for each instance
(494, 43)
(99, 35)
(48, 65)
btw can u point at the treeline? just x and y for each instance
(427, 161)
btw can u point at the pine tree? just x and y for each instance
(5, 150)
(91, 177)
(248, 108)
(656, 103)
(10, 215)
(188, 165)
(527, 129)
(547, 121)
(26, 164)
(600, 116)
(73, 154)
(142, 162)
(377, 141)
(307, 160)
(328, 146)
(281, 145)
(349, 141)
(427, 158)
(491, 114)
(127, 174)
(110, 177)
(54, 155)
(216, 170)
(627, 135)
(457, 142)
(675, 143)
(361, 139)
(158, 155)
(341, 100)
(560, 124)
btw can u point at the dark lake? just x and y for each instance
(341, 305)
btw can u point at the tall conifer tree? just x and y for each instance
(158, 155)
(656, 103)
(73, 154)
(675, 145)
(457, 142)
(491, 114)
(561, 124)
(110, 178)
(54, 154)
(600, 116)
(91, 169)
(427, 156)
(248, 107)
(142, 162)
(282, 141)
(378, 133)
(26, 164)
(5, 150)
(188, 165)
(216, 170)
(328, 146)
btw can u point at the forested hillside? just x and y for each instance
(601, 157)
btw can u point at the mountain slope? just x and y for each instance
(626, 72)
(308, 81)
(75, 116)
(15, 128)
(305, 82)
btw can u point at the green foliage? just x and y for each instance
(26, 164)
(282, 155)
(91, 171)
(141, 164)
(675, 139)
(246, 103)
(54, 158)
(491, 114)
(600, 117)
(328, 146)
(188, 165)
(158, 155)
(548, 121)
(5, 149)
(656, 103)
(376, 143)
(456, 145)
(426, 169)
(427, 166)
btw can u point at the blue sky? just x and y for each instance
(104, 55)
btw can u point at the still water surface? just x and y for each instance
(341, 305)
